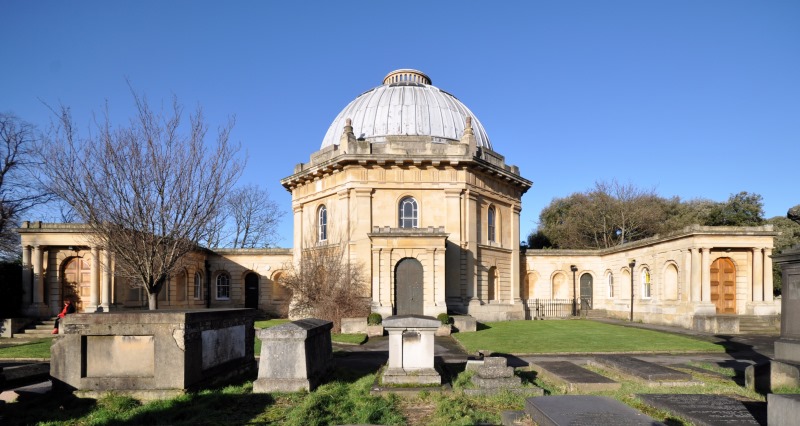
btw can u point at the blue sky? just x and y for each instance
(692, 98)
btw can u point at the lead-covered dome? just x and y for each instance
(405, 104)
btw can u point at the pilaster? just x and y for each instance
(758, 275)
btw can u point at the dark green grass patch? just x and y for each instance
(576, 336)
(35, 349)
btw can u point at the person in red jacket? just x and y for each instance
(69, 308)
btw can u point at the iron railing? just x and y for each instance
(548, 308)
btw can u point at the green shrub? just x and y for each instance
(444, 318)
(374, 319)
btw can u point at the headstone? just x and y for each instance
(295, 356)
(584, 410)
(783, 410)
(574, 377)
(641, 369)
(464, 323)
(411, 345)
(709, 410)
(354, 325)
(495, 374)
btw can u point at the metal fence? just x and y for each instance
(548, 308)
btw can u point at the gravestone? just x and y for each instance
(709, 410)
(411, 345)
(294, 356)
(152, 354)
(640, 369)
(574, 377)
(584, 410)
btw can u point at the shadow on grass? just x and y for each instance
(481, 326)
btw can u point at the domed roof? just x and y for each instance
(405, 104)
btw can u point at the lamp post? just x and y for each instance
(632, 263)
(574, 269)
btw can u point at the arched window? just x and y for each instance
(198, 286)
(491, 223)
(645, 283)
(223, 286)
(408, 213)
(610, 279)
(322, 224)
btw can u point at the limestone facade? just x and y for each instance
(61, 260)
(407, 185)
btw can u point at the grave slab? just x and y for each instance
(709, 410)
(641, 369)
(584, 410)
(574, 377)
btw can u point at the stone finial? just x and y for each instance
(469, 137)
(348, 138)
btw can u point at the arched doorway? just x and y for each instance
(251, 291)
(723, 285)
(76, 281)
(409, 289)
(586, 291)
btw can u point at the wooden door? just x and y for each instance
(251, 291)
(723, 285)
(77, 281)
(409, 288)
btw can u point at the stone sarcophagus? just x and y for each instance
(152, 354)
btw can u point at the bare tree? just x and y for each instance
(255, 217)
(325, 285)
(19, 188)
(148, 189)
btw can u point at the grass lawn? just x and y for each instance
(34, 349)
(575, 336)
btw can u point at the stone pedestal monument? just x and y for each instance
(785, 369)
(411, 344)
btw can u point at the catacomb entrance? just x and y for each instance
(251, 291)
(723, 285)
(409, 289)
(586, 291)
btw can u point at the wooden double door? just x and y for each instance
(723, 285)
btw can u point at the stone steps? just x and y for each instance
(753, 324)
(42, 328)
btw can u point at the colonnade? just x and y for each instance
(36, 270)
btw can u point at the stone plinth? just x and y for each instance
(411, 344)
(783, 410)
(294, 356)
(495, 374)
(354, 325)
(151, 354)
(786, 368)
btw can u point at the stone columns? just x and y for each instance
(106, 293)
(706, 273)
(758, 275)
(515, 279)
(768, 296)
(696, 274)
(438, 256)
(343, 212)
(94, 299)
(453, 252)
(472, 224)
(297, 209)
(27, 275)
(38, 277)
